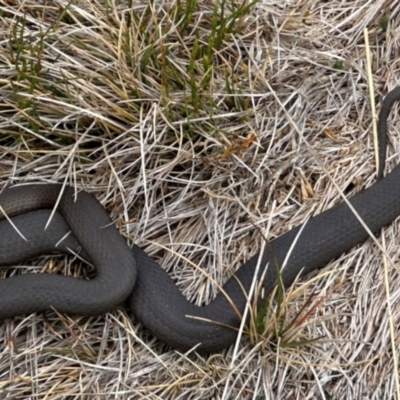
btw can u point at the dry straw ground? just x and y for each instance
(192, 122)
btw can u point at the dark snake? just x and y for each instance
(124, 273)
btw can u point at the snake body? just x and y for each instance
(124, 273)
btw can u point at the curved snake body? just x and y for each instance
(155, 299)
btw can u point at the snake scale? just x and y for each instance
(41, 216)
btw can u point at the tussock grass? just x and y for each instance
(180, 117)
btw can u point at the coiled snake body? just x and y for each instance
(123, 273)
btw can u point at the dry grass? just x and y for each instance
(181, 119)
